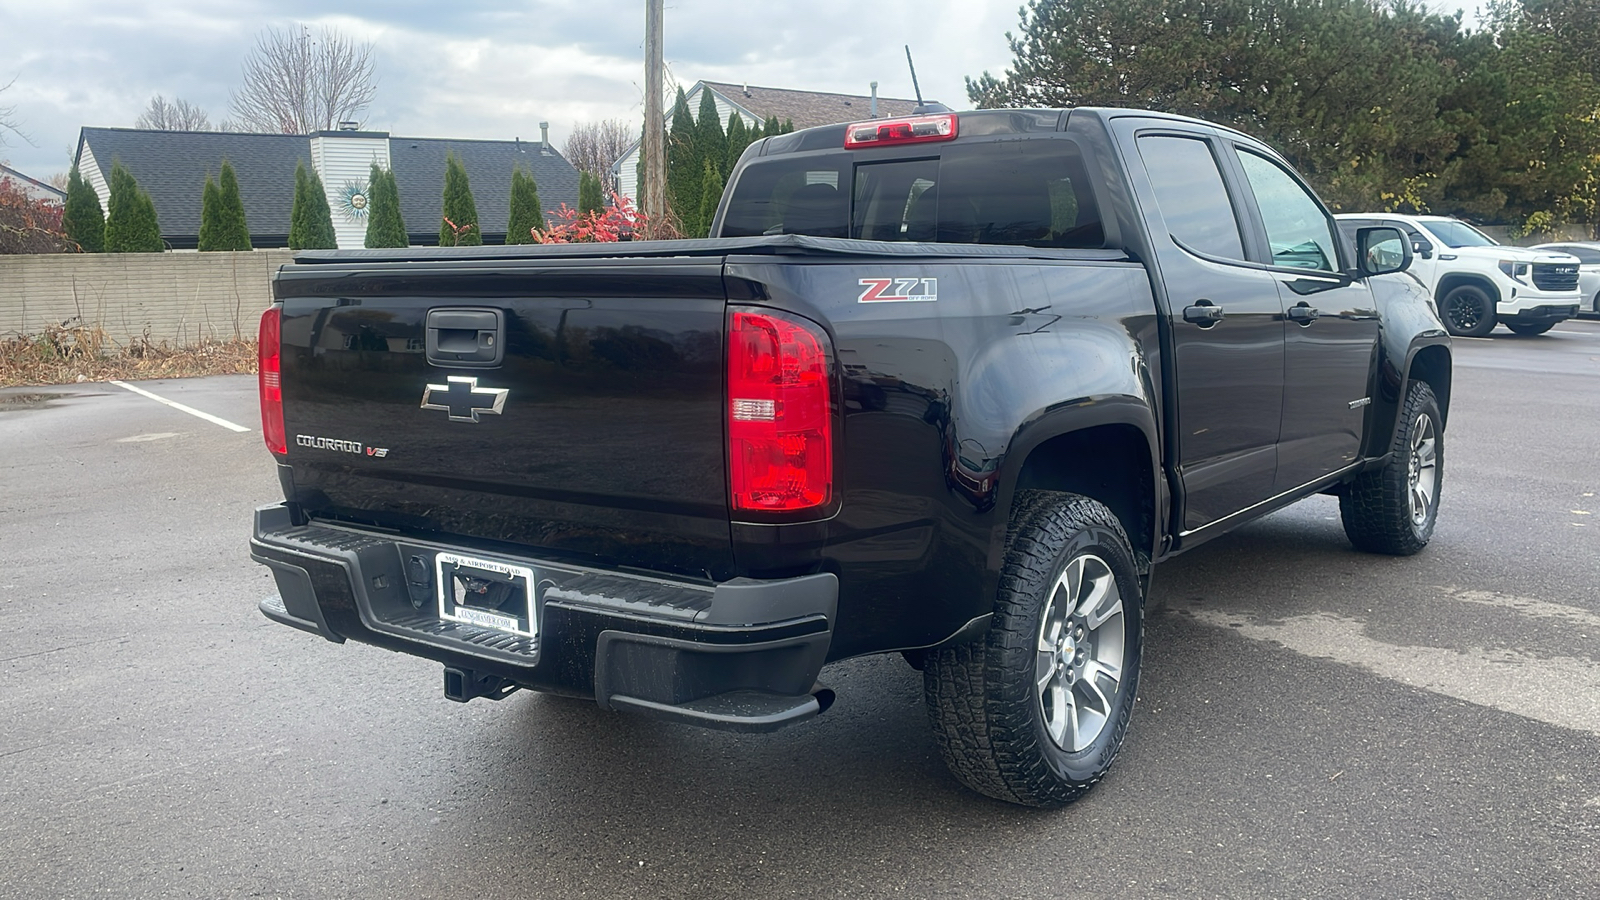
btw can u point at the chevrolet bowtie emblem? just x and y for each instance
(463, 399)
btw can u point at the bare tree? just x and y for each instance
(178, 115)
(8, 118)
(294, 83)
(595, 147)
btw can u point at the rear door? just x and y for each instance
(1331, 321)
(1226, 320)
(568, 405)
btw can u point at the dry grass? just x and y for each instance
(70, 353)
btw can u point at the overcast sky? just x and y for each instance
(475, 70)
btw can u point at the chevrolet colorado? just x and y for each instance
(946, 386)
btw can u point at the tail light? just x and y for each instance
(888, 132)
(269, 359)
(780, 413)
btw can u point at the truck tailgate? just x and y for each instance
(596, 435)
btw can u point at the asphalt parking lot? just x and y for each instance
(1313, 722)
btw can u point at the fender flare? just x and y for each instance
(1067, 418)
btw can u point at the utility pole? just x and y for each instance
(654, 199)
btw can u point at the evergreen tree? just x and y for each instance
(310, 219)
(771, 127)
(788, 126)
(459, 227)
(210, 212)
(385, 226)
(710, 195)
(527, 213)
(589, 197)
(222, 222)
(738, 139)
(321, 235)
(83, 221)
(683, 165)
(131, 224)
(709, 141)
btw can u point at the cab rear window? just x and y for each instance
(1030, 192)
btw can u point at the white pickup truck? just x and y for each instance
(1478, 282)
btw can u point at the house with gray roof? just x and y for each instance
(32, 188)
(755, 105)
(172, 167)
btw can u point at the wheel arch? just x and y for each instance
(1108, 454)
(1457, 279)
(1433, 365)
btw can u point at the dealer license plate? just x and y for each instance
(486, 593)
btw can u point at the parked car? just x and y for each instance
(1476, 281)
(945, 386)
(1588, 254)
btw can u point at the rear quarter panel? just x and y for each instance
(939, 395)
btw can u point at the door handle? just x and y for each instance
(1302, 313)
(1203, 313)
(465, 337)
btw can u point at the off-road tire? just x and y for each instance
(1530, 329)
(1467, 311)
(1377, 506)
(982, 698)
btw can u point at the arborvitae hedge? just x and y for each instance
(222, 222)
(589, 197)
(527, 212)
(131, 225)
(683, 165)
(210, 211)
(710, 195)
(738, 138)
(385, 226)
(83, 220)
(710, 144)
(310, 219)
(459, 208)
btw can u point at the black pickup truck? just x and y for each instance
(945, 386)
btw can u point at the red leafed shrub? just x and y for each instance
(28, 225)
(617, 222)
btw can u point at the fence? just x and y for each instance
(179, 298)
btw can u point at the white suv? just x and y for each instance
(1477, 282)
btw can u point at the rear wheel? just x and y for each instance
(1530, 329)
(1036, 711)
(1393, 509)
(1467, 311)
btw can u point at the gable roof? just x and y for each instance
(33, 187)
(807, 108)
(172, 167)
(418, 165)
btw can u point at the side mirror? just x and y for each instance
(1422, 248)
(1381, 250)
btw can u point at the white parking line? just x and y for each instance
(181, 408)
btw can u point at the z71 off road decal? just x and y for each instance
(898, 290)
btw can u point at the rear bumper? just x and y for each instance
(742, 655)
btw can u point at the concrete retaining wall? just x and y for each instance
(179, 298)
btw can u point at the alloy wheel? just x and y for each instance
(1081, 647)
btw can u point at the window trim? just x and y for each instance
(1211, 143)
(1263, 244)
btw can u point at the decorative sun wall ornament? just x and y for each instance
(353, 201)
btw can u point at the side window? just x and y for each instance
(1189, 189)
(1298, 231)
